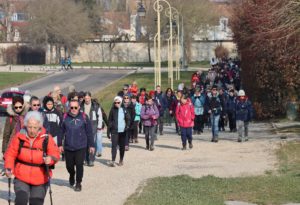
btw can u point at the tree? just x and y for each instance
(267, 35)
(59, 23)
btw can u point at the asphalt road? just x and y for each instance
(83, 80)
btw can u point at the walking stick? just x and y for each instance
(49, 179)
(9, 190)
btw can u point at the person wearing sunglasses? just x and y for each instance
(131, 110)
(15, 120)
(78, 136)
(118, 123)
(124, 91)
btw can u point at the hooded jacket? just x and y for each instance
(185, 114)
(95, 116)
(149, 115)
(244, 111)
(11, 123)
(31, 153)
(113, 120)
(54, 121)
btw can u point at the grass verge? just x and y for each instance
(145, 80)
(9, 79)
(272, 188)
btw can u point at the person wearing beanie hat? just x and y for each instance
(244, 114)
(118, 123)
(53, 117)
(14, 122)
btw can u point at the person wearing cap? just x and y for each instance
(14, 122)
(244, 114)
(230, 110)
(118, 123)
(214, 109)
(198, 100)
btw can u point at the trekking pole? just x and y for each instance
(9, 190)
(49, 181)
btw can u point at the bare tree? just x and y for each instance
(59, 23)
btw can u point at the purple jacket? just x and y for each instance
(149, 115)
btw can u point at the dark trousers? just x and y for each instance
(199, 123)
(160, 124)
(88, 156)
(26, 192)
(75, 159)
(128, 136)
(135, 130)
(118, 139)
(232, 121)
(186, 134)
(150, 135)
(222, 122)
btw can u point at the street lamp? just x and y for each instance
(141, 13)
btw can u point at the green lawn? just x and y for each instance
(272, 188)
(145, 80)
(9, 79)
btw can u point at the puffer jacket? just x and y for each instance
(30, 153)
(11, 123)
(244, 110)
(198, 102)
(138, 108)
(149, 115)
(185, 114)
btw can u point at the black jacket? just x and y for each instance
(113, 120)
(54, 120)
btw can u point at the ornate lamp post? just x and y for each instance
(141, 13)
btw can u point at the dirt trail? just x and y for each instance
(105, 185)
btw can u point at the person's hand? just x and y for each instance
(92, 150)
(209, 111)
(171, 112)
(47, 160)
(61, 149)
(8, 173)
(108, 136)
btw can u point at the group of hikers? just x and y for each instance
(66, 63)
(38, 133)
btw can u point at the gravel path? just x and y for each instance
(105, 185)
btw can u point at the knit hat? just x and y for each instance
(16, 99)
(118, 98)
(241, 93)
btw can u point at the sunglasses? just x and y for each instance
(126, 98)
(125, 89)
(18, 107)
(36, 105)
(73, 108)
(117, 102)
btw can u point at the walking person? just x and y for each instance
(69, 63)
(27, 156)
(149, 116)
(198, 100)
(137, 118)
(244, 115)
(214, 109)
(230, 109)
(118, 123)
(14, 121)
(92, 109)
(78, 136)
(168, 100)
(159, 103)
(185, 115)
(131, 110)
(63, 64)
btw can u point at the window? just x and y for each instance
(19, 17)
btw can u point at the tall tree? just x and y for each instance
(59, 23)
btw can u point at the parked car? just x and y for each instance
(6, 98)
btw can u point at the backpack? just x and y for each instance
(45, 147)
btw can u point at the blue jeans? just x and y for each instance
(215, 125)
(99, 143)
(186, 134)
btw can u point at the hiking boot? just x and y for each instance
(151, 148)
(136, 141)
(191, 145)
(147, 147)
(240, 140)
(98, 155)
(90, 164)
(78, 187)
(71, 181)
(184, 147)
(112, 164)
(161, 133)
(120, 163)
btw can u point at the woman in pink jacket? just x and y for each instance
(185, 116)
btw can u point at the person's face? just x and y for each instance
(125, 90)
(57, 90)
(150, 102)
(74, 108)
(183, 100)
(80, 99)
(214, 91)
(87, 99)
(133, 100)
(33, 127)
(117, 104)
(169, 92)
(49, 105)
(126, 99)
(18, 107)
(221, 91)
(35, 105)
(231, 94)
(179, 94)
(158, 89)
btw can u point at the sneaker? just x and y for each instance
(120, 163)
(131, 141)
(191, 145)
(136, 141)
(184, 147)
(239, 140)
(151, 148)
(99, 155)
(112, 164)
(147, 147)
(78, 187)
(71, 181)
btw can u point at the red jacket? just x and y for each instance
(185, 114)
(33, 175)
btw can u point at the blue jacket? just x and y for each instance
(244, 110)
(199, 103)
(77, 131)
(160, 103)
(230, 104)
(138, 108)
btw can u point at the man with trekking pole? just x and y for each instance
(30, 156)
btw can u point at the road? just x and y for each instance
(83, 80)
